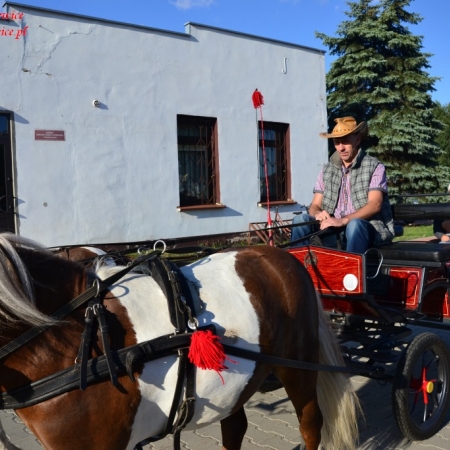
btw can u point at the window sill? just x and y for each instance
(197, 207)
(278, 203)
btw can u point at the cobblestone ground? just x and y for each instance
(273, 424)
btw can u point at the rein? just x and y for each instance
(310, 235)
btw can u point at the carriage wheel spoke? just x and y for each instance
(430, 390)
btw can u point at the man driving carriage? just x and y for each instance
(350, 195)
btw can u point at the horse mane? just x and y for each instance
(17, 299)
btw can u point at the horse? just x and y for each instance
(258, 298)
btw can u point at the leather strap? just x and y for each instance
(85, 345)
(99, 312)
(374, 372)
(67, 380)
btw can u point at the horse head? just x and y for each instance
(29, 273)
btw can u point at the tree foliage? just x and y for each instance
(442, 113)
(380, 76)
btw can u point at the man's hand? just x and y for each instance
(333, 222)
(322, 215)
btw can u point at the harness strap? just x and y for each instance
(187, 408)
(67, 379)
(94, 291)
(170, 426)
(99, 311)
(159, 270)
(85, 345)
(374, 372)
(181, 308)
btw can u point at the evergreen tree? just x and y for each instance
(379, 76)
(442, 113)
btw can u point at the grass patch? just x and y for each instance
(415, 232)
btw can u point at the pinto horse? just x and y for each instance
(259, 298)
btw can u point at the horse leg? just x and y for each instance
(301, 389)
(233, 430)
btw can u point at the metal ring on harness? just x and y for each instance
(193, 323)
(163, 243)
(96, 284)
(143, 251)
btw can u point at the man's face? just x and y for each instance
(347, 147)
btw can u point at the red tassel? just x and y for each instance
(257, 99)
(206, 352)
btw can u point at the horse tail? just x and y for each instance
(337, 400)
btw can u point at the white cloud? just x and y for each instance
(188, 4)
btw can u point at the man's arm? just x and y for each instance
(315, 209)
(372, 207)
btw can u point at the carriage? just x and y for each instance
(372, 302)
(375, 301)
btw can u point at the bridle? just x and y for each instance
(97, 287)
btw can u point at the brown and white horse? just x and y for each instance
(259, 298)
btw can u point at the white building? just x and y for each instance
(112, 132)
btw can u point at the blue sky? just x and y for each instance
(287, 20)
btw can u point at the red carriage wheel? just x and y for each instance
(421, 387)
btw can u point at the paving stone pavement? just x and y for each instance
(272, 424)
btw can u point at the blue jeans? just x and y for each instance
(356, 237)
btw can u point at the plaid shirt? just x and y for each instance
(345, 205)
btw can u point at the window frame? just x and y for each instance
(283, 129)
(213, 182)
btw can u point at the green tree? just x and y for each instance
(442, 113)
(379, 76)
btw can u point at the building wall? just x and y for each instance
(115, 177)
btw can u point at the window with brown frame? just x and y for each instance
(276, 161)
(197, 156)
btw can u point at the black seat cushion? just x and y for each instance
(416, 251)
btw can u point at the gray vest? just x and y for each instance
(360, 176)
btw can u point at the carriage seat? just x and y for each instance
(406, 251)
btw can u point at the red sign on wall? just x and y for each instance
(49, 135)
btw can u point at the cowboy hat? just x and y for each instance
(345, 126)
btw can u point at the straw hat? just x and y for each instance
(345, 126)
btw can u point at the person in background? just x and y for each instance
(441, 230)
(350, 195)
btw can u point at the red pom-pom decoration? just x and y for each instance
(206, 352)
(257, 99)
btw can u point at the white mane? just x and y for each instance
(17, 300)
